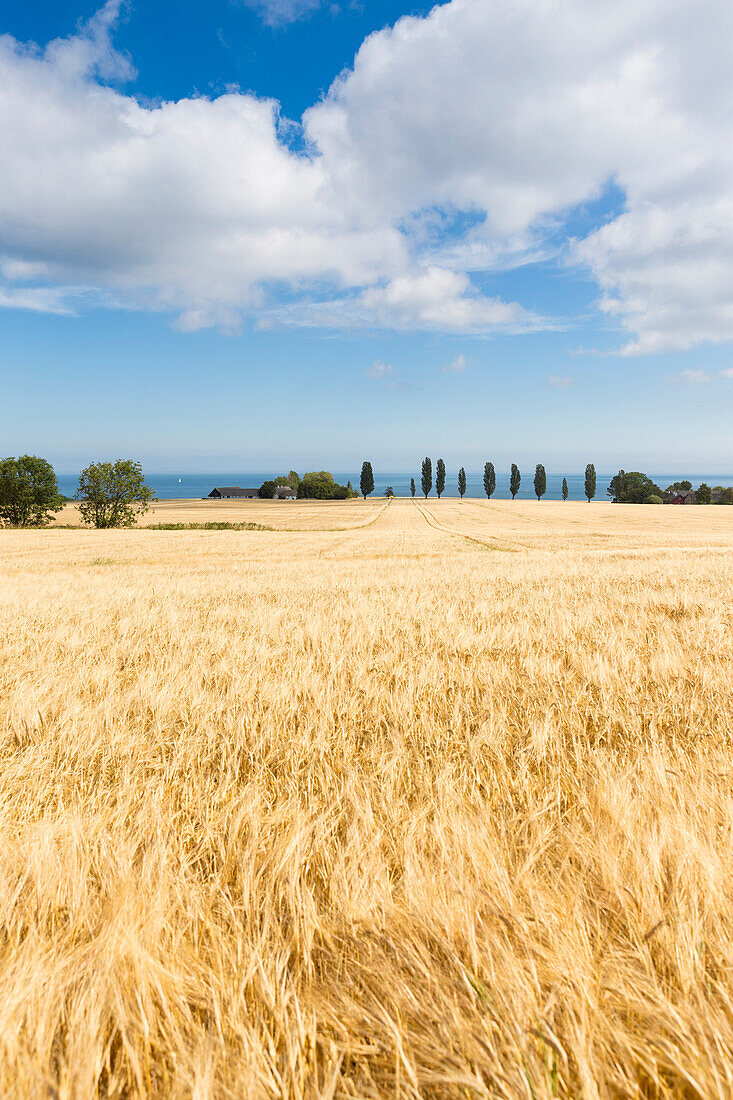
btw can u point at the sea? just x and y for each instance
(177, 486)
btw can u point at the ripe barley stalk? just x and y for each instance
(369, 811)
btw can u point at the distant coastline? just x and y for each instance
(195, 486)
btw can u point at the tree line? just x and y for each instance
(109, 494)
(366, 483)
(316, 485)
(634, 487)
(114, 494)
(625, 487)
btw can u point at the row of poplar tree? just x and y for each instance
(366, 482)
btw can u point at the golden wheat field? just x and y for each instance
(283, 515)
(434, 803)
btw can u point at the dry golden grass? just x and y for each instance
(554, 525)
(280, 515)
(369, 813)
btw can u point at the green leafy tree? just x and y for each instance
(294, 479)
(113, 494)
(412, 486)
(540, 481)
(590, 481)
(632, 487)
(426, 478)
(266, 490)
(389, 491)
(515, 480)
(704, 494)
(29, 492)
(654, 499)
(366, 481)
(462, 482)
(489, 479)
(440, 477)
(564, 488)
(321, 485)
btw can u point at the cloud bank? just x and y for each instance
(457, 143)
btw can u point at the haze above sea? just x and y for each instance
(172, 486)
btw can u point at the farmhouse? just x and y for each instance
(682, 496)
(232, 492)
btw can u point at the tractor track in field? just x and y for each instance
(497, 545)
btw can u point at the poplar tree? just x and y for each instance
(540, 481)
(590, 481)
(412, 486)
(489, 479)
(462, 482)
(426, 480)
(366, 481)
(564, 488)
(439, 477)
(515, 480)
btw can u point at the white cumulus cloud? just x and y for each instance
(432, 299)
(456, 143)
(457, 366)
(520, 109)
(379, 369)
(440, 299)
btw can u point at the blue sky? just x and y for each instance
(494, 237)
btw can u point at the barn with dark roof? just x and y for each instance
(232, 492)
